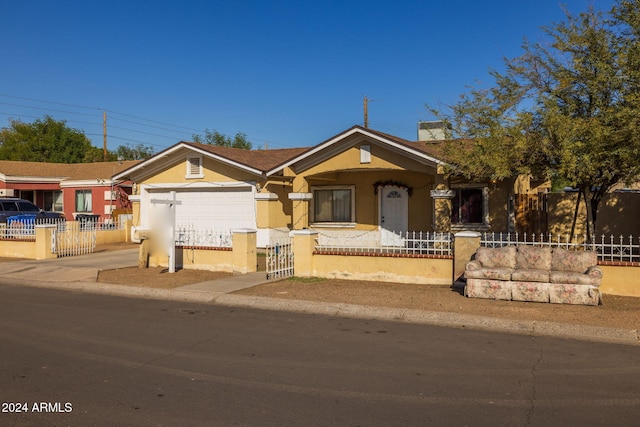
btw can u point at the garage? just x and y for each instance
(219, 209)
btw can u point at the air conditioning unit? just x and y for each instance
(6, 192)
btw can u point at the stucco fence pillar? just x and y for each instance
(304, 243)
(44, 241)
(245, 255)
(465, 243)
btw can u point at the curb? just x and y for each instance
(442, 319)
(356, 311)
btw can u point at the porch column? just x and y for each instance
(442, 197)
(300, 218)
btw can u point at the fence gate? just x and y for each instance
(280, 258)
(74, 238)
(531, 213)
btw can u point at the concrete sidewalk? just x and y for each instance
(80, 274)
(229, 284)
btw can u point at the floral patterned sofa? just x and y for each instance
(534, 273)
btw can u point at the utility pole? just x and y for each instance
(366, 112)
(104, 136)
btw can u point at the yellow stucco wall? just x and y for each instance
(112, 236)
(274, 213)
(345, 169)
(420, 210)
(381, 159)
(420, 271)
(196, 259)
(213, 171)
(617, 214)
(620, 281)
(18, 249)
(135, 208)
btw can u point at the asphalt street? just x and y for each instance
(85, 359)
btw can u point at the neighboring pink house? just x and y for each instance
(75, 188)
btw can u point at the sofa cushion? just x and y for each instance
(573, 278)
(495, 273)
(577, 261)
(530, 291)
(533, 258)
(530, 275)
(573, 294)
(493, 289)
(497, 257)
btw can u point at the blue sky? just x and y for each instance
(286, 73)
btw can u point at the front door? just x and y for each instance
(394, 208)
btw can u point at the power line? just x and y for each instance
(152, 121)
(49, 102)
(139, 131)
(128, 139)
(151, 126)
(46, 109)
(92, 108)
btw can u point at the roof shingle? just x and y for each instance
(72, 171)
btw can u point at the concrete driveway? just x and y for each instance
(79, 268)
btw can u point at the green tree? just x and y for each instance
(133, 152)
(44, 140)
(568, 108)
(213, 137)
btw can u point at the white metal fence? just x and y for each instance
(609, 248)
(409, 243)
(109, 224)
(25, 228)
(279, 253)
(74, 238)
(205, 238)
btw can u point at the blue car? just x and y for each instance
(14, 207)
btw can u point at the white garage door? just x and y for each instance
(217, 209)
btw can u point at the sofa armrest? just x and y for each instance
(595, 272)
(473, 265)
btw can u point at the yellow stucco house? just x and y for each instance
(358, 184)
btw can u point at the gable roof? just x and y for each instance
(262, 160)
(416, 149)
(253, 161)
(270, 162)
(62, 171)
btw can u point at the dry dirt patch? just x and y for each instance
(157, 277)
(616, 311)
